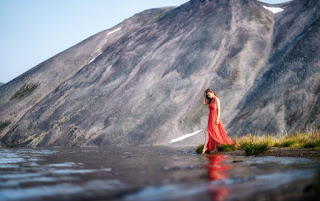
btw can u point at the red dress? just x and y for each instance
(217, 133)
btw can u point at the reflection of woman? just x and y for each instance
(215, 132)
(218, 171)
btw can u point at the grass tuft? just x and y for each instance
(199, 149)
(254, 145)
(287, 143)
(254, 148)
(159, 16)
(226, 147)
(255, 14)
(9, 145)
(294, 140)
(276, 144)
(25, 91)
(312, 144)
(3, 125)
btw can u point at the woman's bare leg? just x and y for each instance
(206, 141)
(216, 145)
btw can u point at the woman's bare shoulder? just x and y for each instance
(217, 100)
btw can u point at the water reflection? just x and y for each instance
(149, 173)
(217, 170)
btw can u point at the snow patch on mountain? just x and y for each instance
(111, 32)
(274, 9)
(94, 58)
(185, 136)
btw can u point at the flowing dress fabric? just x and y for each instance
(217, 133)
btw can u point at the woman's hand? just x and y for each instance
(217, 121)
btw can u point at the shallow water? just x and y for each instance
(150, 173)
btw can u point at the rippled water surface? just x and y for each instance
(152, 173)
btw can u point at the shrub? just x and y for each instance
(295, 140)
(200, 149)
(254, 149)
(244, 145)
(9, 145)
(3, 125)
(24, 91)
(276, 144)
(226, 147)
(288, 143)
(313, 144)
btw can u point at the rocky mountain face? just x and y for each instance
(142, 81)
(286, 98)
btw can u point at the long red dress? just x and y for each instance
(217, 133)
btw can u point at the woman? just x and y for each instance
(215, 132)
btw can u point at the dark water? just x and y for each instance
(152, 173)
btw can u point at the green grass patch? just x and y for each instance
(276, 144)
(312, 144)
(256, 144)
(226, 147)
(9, 145)
(199, 149)
(292, 140)
(244, 145)
(254, 149)
(159, 15)
(255, 14)
(25, 91)
(287, 143)
(3, 125)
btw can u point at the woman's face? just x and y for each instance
(210, 94)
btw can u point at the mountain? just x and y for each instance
(142, 81)
(1, 83)
(287, 97)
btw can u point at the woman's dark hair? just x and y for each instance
(206, 99)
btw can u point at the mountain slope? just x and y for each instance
(287, 98)
(147, 84)
(24, 92)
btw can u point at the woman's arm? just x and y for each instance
(218, 108)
